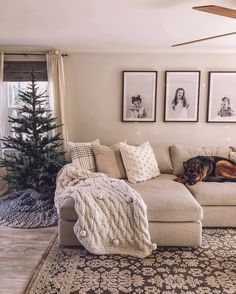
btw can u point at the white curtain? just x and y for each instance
(3, 106)
(56, 80)
(4, 127)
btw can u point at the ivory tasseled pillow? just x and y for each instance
(140, 162)
(82, 155)
(109, 160)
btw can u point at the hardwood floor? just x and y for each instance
(20, 253)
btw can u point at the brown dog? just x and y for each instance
(208, 169)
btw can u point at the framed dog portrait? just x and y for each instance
(182, 89)
(222, 97)
(139, 96)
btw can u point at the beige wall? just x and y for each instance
(94, 91)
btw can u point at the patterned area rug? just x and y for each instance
(26, 209)
(210, 269)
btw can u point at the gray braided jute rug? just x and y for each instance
(26, 209)
(209, 269)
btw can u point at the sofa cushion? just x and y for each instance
(67, 210)
(168, 201)
(166, 177)
(162, 153)
(214, 193)
(181, 153)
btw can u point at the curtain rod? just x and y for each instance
(27, 54)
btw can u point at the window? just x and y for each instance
(16, 78)
(11, 92)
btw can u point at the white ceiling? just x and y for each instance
(113, 25)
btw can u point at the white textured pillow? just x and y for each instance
(82, 155)
(140, 162)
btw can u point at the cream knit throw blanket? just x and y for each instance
(112, 217)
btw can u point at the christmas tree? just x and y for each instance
(32, 157)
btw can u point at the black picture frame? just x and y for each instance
(186, 82)
(139, 96)
(221, 104)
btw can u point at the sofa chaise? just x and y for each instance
(176, 213)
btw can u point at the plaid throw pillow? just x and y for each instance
(82, 155)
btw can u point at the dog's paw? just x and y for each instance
(181, 180)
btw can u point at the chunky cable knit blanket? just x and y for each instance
(112, 217)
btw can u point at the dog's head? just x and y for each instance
(194, 171)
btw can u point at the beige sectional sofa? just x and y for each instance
(176, 213)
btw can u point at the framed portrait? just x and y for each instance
(222, 96)
(139, 96)
(182, 89)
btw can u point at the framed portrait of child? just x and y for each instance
(181, 96)
(221, 97)
(139, 96)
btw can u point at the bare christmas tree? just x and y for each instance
(35, 158)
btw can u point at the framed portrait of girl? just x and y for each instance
(139, 96)
(182, 89)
